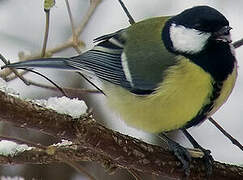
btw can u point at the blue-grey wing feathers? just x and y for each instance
(105, 60)
(106, 66)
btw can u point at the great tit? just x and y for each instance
(162, 73)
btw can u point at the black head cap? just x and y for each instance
(216, 57)
(203, 18)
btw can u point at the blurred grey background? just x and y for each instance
(22, 26)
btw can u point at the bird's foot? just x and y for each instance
(182, 154)
(207, 158)
(208, 161)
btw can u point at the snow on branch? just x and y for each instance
(11, 178)
(10, 148)
(64, 105)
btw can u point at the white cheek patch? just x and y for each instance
(187, 40)
(126, 68)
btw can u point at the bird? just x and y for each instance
(163, 73)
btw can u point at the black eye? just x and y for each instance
(227, 31)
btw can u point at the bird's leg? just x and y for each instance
(180, 152)
(208, 159)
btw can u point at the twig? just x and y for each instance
(93, 5)
(48, 79)
(67, 90)
(238, 43)
(131, 20)
(47, 13)
(70, 17)
(90, 82)
(75, 37)
(134, 174)
(14, 70)
(231, 138)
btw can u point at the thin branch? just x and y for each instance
(75, 36)
(70, 17)
(56, 87)
(47, 13)
(14, 70)
(238, 43)
(231, 138)
(69, 91)
(90, 82)
(48, 79)
(93, 5)
(134, 174)
(131, 20)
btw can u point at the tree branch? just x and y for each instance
(103, 145)
(226, 134)
(238, 43)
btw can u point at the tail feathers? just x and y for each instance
(105, 65)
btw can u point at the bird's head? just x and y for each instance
(190, 31)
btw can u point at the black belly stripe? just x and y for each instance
(141, 91)
(202, 114)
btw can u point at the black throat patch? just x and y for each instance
(218, 60)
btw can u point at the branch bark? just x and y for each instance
(96, 143)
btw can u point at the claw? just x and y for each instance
(182, 154)
(207, 158)
(208, 161)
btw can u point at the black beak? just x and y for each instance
(223, 34)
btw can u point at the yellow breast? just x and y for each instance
(185, 90)
(226, 90)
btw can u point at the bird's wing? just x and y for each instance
(134, 58)
(104, 59)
